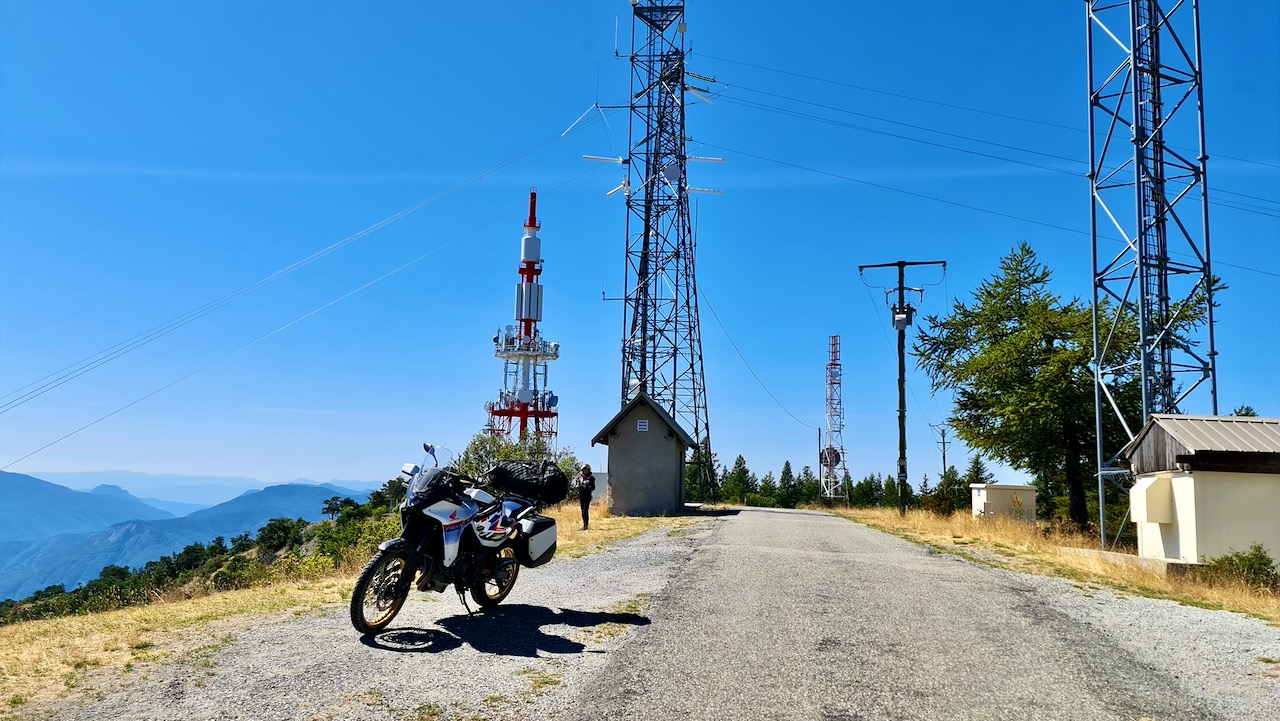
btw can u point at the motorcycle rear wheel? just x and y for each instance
(380, 591)
(497, 579)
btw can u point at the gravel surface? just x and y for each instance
(758, 615)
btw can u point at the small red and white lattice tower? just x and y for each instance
(524, 404)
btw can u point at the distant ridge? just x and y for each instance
(197, 490)
(74, 558)
(31, 509)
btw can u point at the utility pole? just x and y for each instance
(903, 312)
(942, 429)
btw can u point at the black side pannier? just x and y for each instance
(538, 481)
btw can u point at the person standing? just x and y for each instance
(586, 485)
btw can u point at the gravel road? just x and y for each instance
(762, 614)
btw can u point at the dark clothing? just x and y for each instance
(586, 484)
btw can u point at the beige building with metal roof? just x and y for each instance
(1205, 486)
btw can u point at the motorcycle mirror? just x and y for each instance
(431, 451)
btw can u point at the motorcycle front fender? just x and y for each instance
(393, 543)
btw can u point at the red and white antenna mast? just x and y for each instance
(524, 403)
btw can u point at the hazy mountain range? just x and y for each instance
(201, 491)
(50, 534)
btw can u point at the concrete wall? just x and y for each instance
(1002, 499)
(1214, 513)
(646, 468)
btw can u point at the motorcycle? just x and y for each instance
(455, 532)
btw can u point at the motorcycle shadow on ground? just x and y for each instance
(514, 630)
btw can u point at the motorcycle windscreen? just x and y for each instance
(537, 542)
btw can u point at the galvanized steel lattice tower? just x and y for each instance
(662, 343)
(831, 458)
(1147, 178)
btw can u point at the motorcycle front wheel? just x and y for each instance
(380, 591)
(497, 579)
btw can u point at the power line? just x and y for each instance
(703, 297)
(1075, 173)
(877, 91)
(290, 324)
(897, 190)
(936, 199)
(928, 101)
(806, 116)
(75, 370)
(903, 124)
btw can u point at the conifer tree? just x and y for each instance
(1018, 360)
(788, 489)
(737, 483)
(810, 488)
(768, 486)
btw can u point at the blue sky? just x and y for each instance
(156, 157)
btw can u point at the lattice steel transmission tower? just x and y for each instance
(1149, 191)
(662, 342)
(832, 456)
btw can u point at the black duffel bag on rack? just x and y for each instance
(539, 481)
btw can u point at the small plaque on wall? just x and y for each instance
(642, 424)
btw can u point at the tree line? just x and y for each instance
(738, 485)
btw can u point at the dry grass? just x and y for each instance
(41, 660)
(1025, 547)
(575, 543)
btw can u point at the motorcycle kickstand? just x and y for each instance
(463, 598)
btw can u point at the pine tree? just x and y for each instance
(977, 472)
(788, 489)
(868, 492)
(769, 488)
(952, 493)
(1018, 360)
(889, 498)
(810, 488)
(737, 483)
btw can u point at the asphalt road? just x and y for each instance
(761, 615)
(801, 615)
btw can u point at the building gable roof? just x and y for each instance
(603, 436)
(1231, 434)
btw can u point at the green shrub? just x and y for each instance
(761, 500)
(1255, 568)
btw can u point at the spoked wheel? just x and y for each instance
(380, 591)
(497, 579)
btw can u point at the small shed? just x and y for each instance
(1205, 486)
(646, 459)
(1004, 499)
